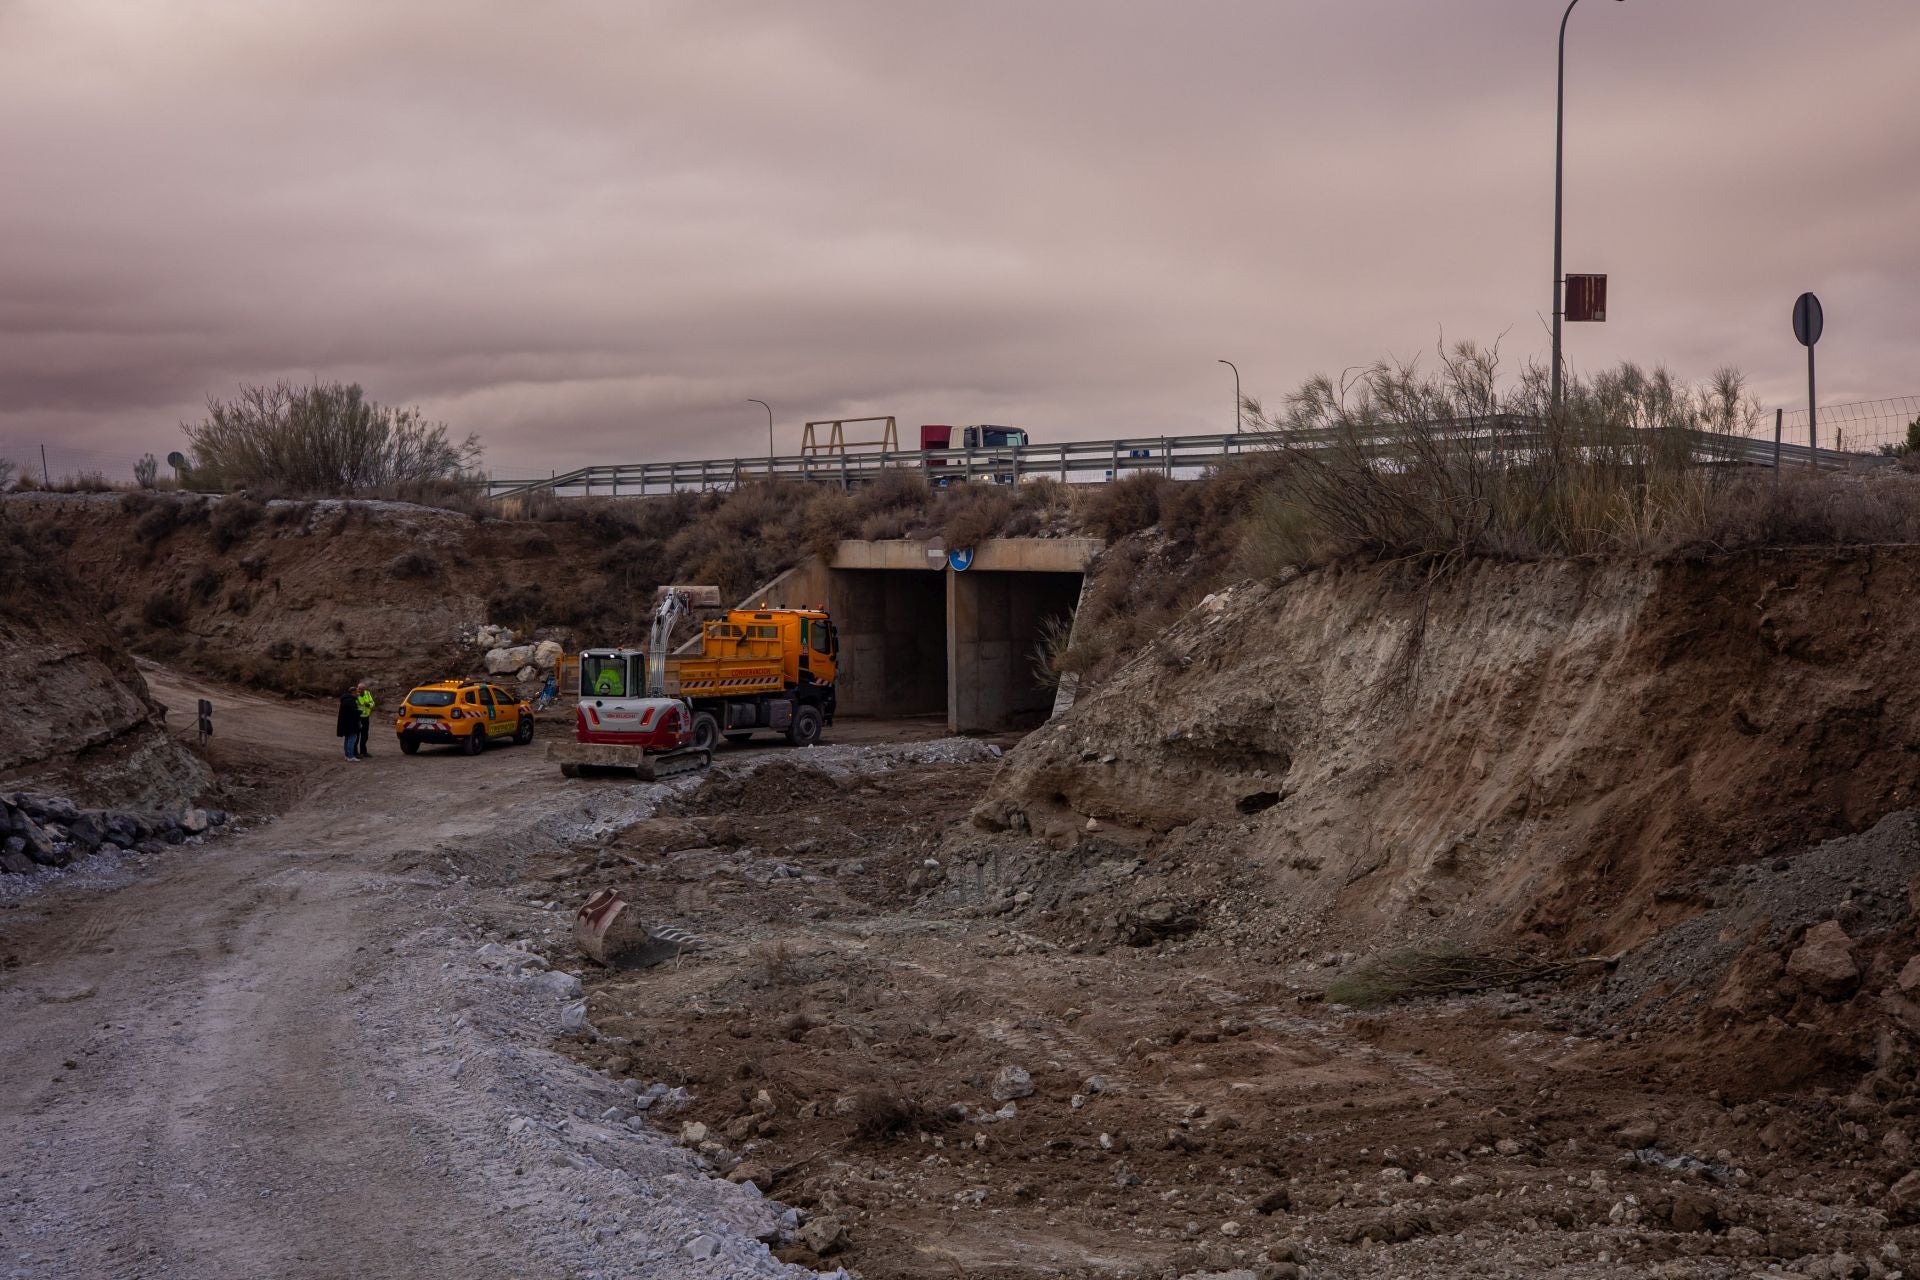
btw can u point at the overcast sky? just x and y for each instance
(589, 231)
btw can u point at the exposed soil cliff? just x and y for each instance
(1567, 757)
(80, 721)
(306, 597)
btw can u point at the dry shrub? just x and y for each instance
(1439, 971)
(530, 606)
(163, 516)
(163, 612)
(1128, 505)
(30, 573)
(289, 513)
(82, 482)
(775, 960)
(1400, 464)
(879, 1116)
(325, 439)
(232, 520)
(413, 565)
(971, 513)
(1067, 648)
(203, 583)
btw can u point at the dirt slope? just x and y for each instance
(80, 721)
(1523, 747)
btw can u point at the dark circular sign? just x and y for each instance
(176, 460)
(1808, 319)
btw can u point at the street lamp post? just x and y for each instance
(1559, 149)
(769, 408)
(1236, 393)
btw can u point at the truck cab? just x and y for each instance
(943, 471)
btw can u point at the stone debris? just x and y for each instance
(1011, 1082)
(1823, 962)
(52, 831)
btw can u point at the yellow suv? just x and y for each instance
(462, 713)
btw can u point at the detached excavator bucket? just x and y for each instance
(607, 929)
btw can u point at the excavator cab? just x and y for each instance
(616, 673)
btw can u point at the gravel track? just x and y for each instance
(277, 1054)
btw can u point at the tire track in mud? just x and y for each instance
(1331, 1040)
(1084, 1055)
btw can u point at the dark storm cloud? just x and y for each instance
(590, 231)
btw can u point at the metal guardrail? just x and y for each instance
(1084, 461)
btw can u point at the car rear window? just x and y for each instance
(430, 698)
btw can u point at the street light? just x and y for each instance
(1559, 148)
(1236, 393)
(769, 408)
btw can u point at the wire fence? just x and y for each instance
(1861, 426)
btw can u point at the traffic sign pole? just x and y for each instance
(1809, 322)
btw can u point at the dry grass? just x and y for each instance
(775, 962)
(878, 1116)
(1439, 971)
(1443, 466)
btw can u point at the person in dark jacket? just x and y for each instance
(347, 726)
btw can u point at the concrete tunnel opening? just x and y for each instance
(920, 639)
(996, 622)
(893, 641)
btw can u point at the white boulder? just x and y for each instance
(504, 662)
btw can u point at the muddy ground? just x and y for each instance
(318, 1048)
(846, 1036)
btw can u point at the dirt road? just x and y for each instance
(274, 1056)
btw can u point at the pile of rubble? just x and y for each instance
(522, 662)
(51, 831)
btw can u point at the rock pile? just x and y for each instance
(51, 831)
(503, 657)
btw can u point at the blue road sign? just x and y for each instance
(960, 559)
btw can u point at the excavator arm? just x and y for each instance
(672, 605)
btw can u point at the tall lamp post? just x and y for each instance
(1236, 393)
(769, 408)
(1559, 149)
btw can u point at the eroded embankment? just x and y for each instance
(1533, 751)
(80, 720)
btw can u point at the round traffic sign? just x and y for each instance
(176, 459)
(960, 559)
(1808, 319)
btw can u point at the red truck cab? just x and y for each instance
(976, 437)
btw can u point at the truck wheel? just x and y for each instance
(473, 743)
(706, 731)
(410, 746)
(524, 734)
(805, 730)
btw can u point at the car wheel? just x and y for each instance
(474, 743)
(410, 746)
(805, 730)
(706, 731)
(524, 734)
